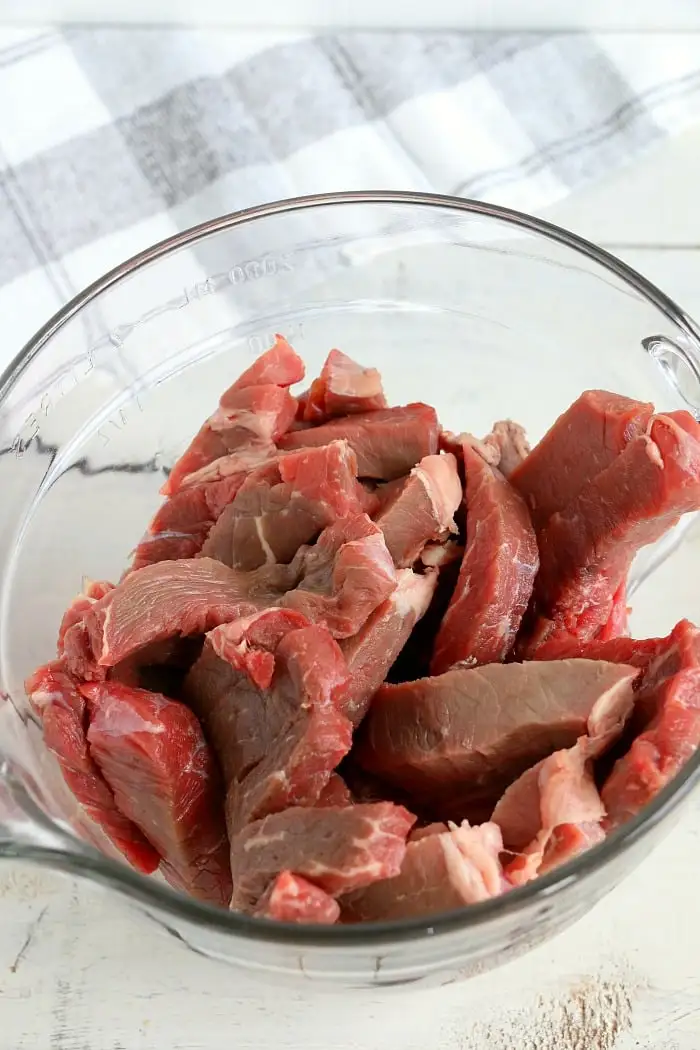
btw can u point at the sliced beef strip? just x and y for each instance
(340, 849)
(497, 572)
(343, 577)
(421, 508)
(585, 440)
(54, 695)
(587, 549)
(285, 504)
(506, 446)
(470, 732)
(372, 651)
(441, 871)
(290, 898)
(387, 443)
(660, 752)
(277, 730)
(152, 753)
(254, 412)
(344, 388)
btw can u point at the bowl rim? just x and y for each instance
(79, 859)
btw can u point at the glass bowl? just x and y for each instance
(484, 313)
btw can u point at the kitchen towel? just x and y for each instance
(112, 139)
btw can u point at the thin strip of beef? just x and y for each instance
(290, 898)
(442, 871)
(285, 504)
(344, 577)
(585, 440)
(53, 693)
(344, 388)
(468, 733)
(73, 638)
(277, 730)
(339, 849)
(254, 412)
(587, 549)
(421, 508)
(152, 753)
(388, 443)
(660, 752)
(373, 650)
(497, 573)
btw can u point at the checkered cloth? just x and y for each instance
(111, 139)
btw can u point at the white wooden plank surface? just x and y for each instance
(78, 972)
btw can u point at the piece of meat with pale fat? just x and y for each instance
(254, 412)
(471, 731)
(152, 753)
(670, 739)
(421, 508)
(285, 504)
(272, 718)
(53, 693)
(583, 441)
(344, 388)
(339, 849)
(506, 446)
(290, 898)
(441, 871)
(587, 549)
(387, 443)
(497, 573)
(372, 651)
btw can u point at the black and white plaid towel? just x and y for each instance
(111, 139)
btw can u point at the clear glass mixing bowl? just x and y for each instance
(482, 312)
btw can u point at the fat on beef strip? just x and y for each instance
(285, 504)
(584, 440)
(587, 549)
(441, 871)
(339, 849)
(372, 651)
(271, 716)
(421, 508)
(182, 523)
(506, 446)
(660, 752)
(254, 412)
(469, 732)
(290, 898)
(53, 693)
(344, 577)
(387, 443)
(344, 388)
(152, 753)
(497, 573)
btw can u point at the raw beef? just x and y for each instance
(344, 388)
(441, 871)
(660, 752)
(285, 504)
(290, 898)
(371, 652)
(340, 849)
(54, 695)
(335, 793)
(585, 440)
(387, 443)
(421, 508)
(253, 413)
(587, 549)
(506, 446)
(617, 625)
(152, 753)
(497, 574)
(277, 731)
(470, 732)
(344, 577)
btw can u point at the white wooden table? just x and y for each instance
(78, 972)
